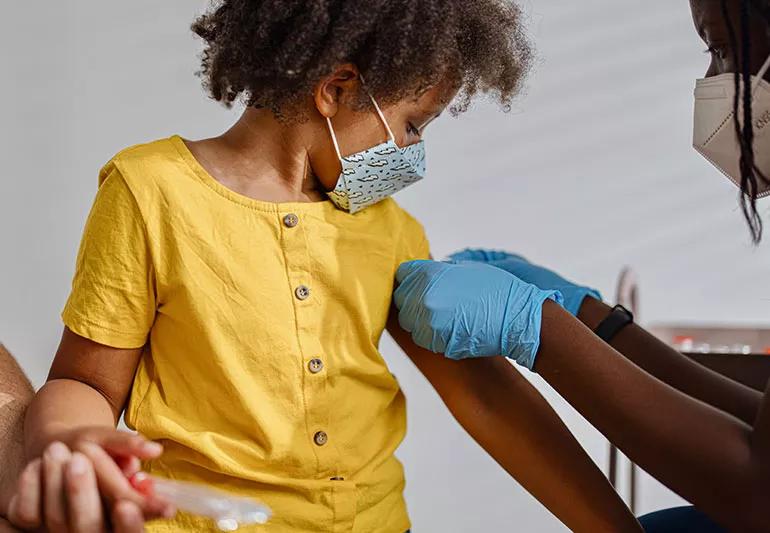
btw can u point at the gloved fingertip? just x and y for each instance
(404, 322)
(479, 255)
(467, 254)
(399, 296)
(406, 268)
(516, 257)
(483, 255)
(557, 297)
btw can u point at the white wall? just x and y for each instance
(591, 171)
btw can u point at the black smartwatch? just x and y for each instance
(618, 318)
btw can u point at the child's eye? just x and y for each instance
(412, 129)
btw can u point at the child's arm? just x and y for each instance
(80, 406)
(486, 396)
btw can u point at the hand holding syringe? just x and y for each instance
(229, 512)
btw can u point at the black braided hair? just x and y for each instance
(744, 130)
(270, 53)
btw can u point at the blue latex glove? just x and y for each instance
(470, 310)
(534, 274)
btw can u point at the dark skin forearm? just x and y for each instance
(509, 418)
(708, 456)
(675, 369)
(15, 395)
(88, 386)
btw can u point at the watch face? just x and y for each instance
(619, 309)
(618, 318)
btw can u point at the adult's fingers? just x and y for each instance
(483, 255)
(127, 518)
(24, 509)
(55, 458)
(84, 505)
(409, 267)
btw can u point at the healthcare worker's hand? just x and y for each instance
(536, 275)
(470, 310)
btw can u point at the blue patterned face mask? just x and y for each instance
(372, 175)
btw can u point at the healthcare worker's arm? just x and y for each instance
(716, 461)
(679, 371)
(708, 456)
(532, 443)
(634, 342)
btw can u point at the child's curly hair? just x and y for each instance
(270, 53)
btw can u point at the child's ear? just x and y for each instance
(336, 88)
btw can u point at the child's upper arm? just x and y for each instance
(112, 305)
(459, 383)
(108, 370)
(113, 299)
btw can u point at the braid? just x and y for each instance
(744, 131)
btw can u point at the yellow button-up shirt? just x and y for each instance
(261, 322)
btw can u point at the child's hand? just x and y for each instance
(59, 489)
(116, 456)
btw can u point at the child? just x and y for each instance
(230, 293)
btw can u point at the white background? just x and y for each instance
(591, 171)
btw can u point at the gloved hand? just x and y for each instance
(534, 274)
(470, 310)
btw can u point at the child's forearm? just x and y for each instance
(61, 406)
(507, 416)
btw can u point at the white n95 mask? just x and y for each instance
(373, 174)
(714, 125)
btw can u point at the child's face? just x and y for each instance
(357, 130)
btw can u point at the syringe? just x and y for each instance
(229, 512)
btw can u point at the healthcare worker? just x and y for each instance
(704, 436)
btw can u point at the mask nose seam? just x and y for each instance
(718, 128)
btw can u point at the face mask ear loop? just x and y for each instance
(334, 138)
(761, 74)
(377, 108)
(382, 117)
